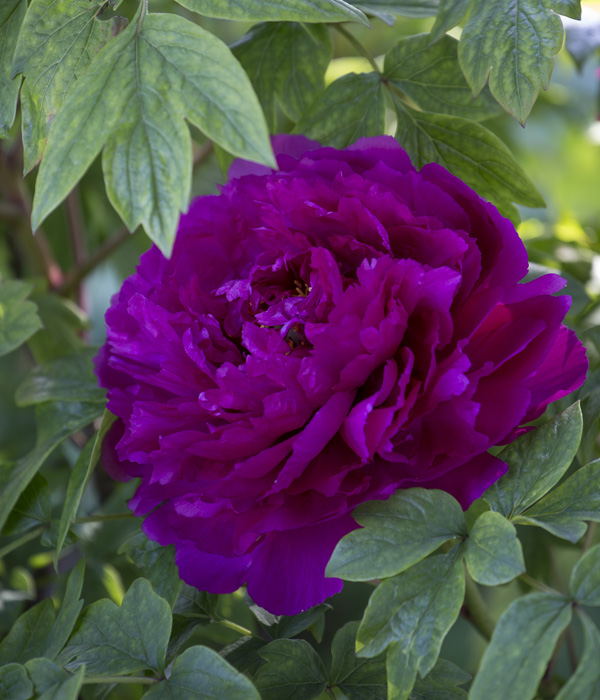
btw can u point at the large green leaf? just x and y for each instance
(351, 107)
(386, 9)
(18, 317)
(58, 41)
(513, 42)
(122, 639)
(451, 13)
(521, 647)
(287, 61)
(584, 684)
(397, 533)
(432, 78)
(293, 671)
(201, 674)
(493, 553)
(585, 578)
(52, 682)
(565, 510)
(12, 13)
(68, 614)
(277, 10)
(469, 151)
(28, 636)
(358, 678)
(15, 683)
(168, 68)
(441, 683)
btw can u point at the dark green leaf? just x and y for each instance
(62, 323)
(397, 533)
(293, 671)
(357, 678)
(469, 151)
(119, 640)
(12, 13)
(18, 317)
(287, 61)
(64, 35)
(521, 647)
(432, 78)
(441, 683)
(291, 626)
(405, 8)
(191, 601)
(536, 461)
(513, 42)
(493, 553)
(69, 378)
(584, 684)
(244, 654)
(201, 674)
(27, 638)
(15, 683)
(351, 107)
(33, 508)
(51, 682)
(277, 10)
(585, 578)
(169, 69)
(451, 13)
(68, 613)
(156, 563)
(564, 510)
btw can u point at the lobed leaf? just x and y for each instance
(493, 553)
(441, 683)
(584, 585)
(18, 317)
(451, 13)
(52, 682)
(68, 613)
(358, 678)
(277, 10)
(27, 638)
(12, 14)
(33, 508)
(584, 684)
(15, 683)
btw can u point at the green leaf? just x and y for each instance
(169, 69)
(68, 613)
(411, 613)
(155, 562)
(396, 534)
(536, 461)
(513, 42)
(493, 553)
(58, 41)
(33, 508)
(15, 683)
(451, 13)
(12, 13)
(564, 510)
(201, 674)
(469, 151)
(84, 466)
(114, 639)
(51, 682)
(18, 317)
(584, 585)
(584, 684)
(287, 627)
(56, 421)
(432, 78)
(286, 61)
(244, 654)
(358, 679)
(441, 683)
(28, 636)
(405, 8)
(277, 10)
(351, 107)
(521, 647)
(63, 323)
(293, 671)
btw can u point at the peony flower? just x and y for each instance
(322, 335)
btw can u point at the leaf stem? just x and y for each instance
(235, 627)
(534, 583)
(589, 537)
(143, 13)
(27, 537)
(144, 680)
(477, 609)
(104, 518)
(357, 45)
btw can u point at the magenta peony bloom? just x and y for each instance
(322, 336)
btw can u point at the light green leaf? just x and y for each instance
(58, 41)
(201, 674)
(451, 13)
(119, 640)
(33, 508)
(584, 684)
(493, 553)
(28, 636)
(432, 78)
(357, 678)
(568, 8)
(405, 8)
(56, 421)
(469, 151)
(513, 42)
(12, 14)
(169, 69)
(351, 107)
(521, 647)
(18, 317)
(564, 510)
(84, 466)
(397, 533)
(287, 61)
(441, 683)
(15, 683)
(68, 613)
(585, 578)
(536, 461)
(51, 682)
(293, 671)
(277, 10)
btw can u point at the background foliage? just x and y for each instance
(507, 593)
